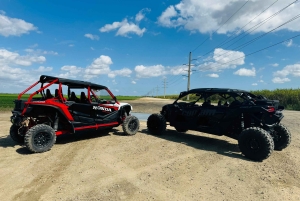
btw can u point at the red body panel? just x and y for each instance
(53, 102)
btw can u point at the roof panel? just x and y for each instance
(70, 82)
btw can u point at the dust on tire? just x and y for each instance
(40, 138)
(131, 125)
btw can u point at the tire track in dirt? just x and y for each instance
(52, 172)
(132, 176)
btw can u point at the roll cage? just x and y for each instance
(47, 81)
(205, 93)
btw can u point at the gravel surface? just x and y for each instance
(174, 166)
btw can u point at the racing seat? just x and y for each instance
(226, 104)
(235, 103)
(83, 98)
(219, 103)
(56, 93)
(73, 97)
(48, 94)
(207, 103)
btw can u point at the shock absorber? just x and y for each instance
(55, 127)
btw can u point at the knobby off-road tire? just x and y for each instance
(156, 124)
(131, 125)
(13, 132)
(256, 143)
(40, 138)
(281, 136)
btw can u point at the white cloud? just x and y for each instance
(223, 59)
(92, 48)
(141, 15)
(124, 28)
(245, 72)
(166, 17)
(71, 45)
(91, 36)
(100, 65)
(206, 17)
(13, 58)
(288, 43)
(70, 71)
(13, 26)
(13, 76)
(275, 64)
(293, 70)
(50, 52)
(39, 51)
(125, 72)
(177, 70)
(254, 84)
(133, 82)
(280, 80)
(213, 75)
(44, 69)
(150, 71)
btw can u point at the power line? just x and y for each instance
(260, 50)
(247, 32)
(226, 41)
(171, 83)
(260, 36)
(221, 25)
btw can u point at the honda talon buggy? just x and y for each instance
(253, 120)
(43, 116)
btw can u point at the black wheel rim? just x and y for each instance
(253, 144)
(42, 139)
(132, 125)
(276, 136)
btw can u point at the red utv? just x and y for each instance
(38, 120)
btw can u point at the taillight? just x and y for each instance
(271, 109)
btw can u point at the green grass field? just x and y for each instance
(289, 98)
(6, 100)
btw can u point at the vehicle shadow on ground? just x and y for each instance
(6, 141)
(69, 138)
(221, 147)
(81, 136)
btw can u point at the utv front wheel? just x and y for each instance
(156, 124)
(40, 138)
(131, 125)
(14, 134)
(281, 136)
(256, 143)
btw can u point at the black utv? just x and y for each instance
(253, 120)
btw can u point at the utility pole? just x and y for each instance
(189, 75)
(164, 87)
(157, 91)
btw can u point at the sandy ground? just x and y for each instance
(174, 166)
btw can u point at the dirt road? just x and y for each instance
(174, 166)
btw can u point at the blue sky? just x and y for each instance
(134, 46)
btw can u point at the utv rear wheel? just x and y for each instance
(131, 125)
(156, 124)
(40, 138)
(14, 134)
(281, 136)
(256, 143)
